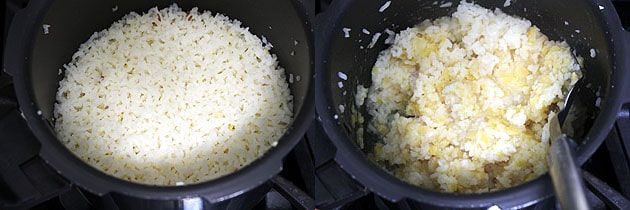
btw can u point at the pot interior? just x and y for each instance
(353, 57)
(72, 22)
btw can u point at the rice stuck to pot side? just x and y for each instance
(462, 103)
(170, 96)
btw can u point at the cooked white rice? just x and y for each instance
(462, 103)
(171, 97)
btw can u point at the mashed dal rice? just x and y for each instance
(462, 103)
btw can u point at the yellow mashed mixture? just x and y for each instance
(462, 103)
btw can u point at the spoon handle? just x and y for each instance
(567, 179)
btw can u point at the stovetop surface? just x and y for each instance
(311, 167)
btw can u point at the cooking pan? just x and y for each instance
(33, 58)
(586, 25)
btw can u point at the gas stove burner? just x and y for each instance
(349, 27)
(311, 175)
(37, 173)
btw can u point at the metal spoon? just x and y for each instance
(565, 173)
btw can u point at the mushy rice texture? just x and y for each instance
(172, 96)
(462, 103)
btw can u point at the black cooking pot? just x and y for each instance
(590, 24)
(33, 59)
